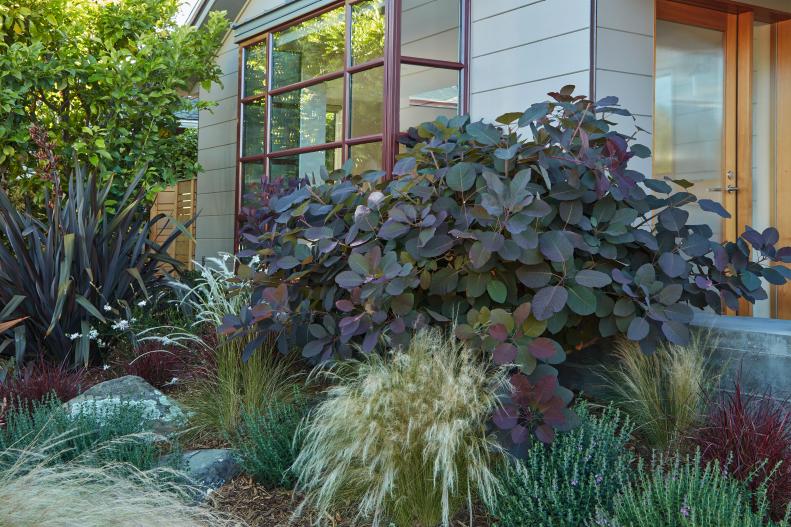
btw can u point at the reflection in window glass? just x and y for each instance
(430, 29)
(367, 92)
(255, 69)
(368, 31)
(252, 177)
(367, 156)
(689, 112)
(314, 47)
(253, 139)
(307, 117)
(305, 166)
(427, 93)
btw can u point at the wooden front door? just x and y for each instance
(718, 85)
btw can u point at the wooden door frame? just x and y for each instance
(782, 85)
(737, 29)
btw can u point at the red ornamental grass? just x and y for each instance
(38, 379)
(742, 432)
(155, 363)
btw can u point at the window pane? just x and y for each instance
(427, 93)
(430, 29)
(307, 117)
(253, 134)
(314, 47)
(255, 69)
(367, 92)
(689, 112)
(252, 177)
(368, 31)
(366, 157)
(305, 166)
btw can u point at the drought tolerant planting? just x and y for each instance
(384, 349)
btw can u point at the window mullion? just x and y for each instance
(392, 65)
(268, 109)
(346, 125)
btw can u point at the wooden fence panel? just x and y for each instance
(178, 203)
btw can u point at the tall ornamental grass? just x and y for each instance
(230, 385)
(37, 492)
(664, 394)
(403, 438)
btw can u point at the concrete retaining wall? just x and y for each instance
(757, 349)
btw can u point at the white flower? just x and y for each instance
(73, 336)
(107, 308)
(225, 257)
(106, 367)
(142, 303)
(255, 260)
(93, 334)
(121, 325)
(173, 381)
(101, 344)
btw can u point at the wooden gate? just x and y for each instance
(178, 203)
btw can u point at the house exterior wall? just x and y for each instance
(217, 147)
(515, 59)
(624, 63)
(522, 49)
(217, 155)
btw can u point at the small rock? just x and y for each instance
(164, 415)
(210, 468)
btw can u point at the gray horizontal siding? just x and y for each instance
(625, 64)
(220, 180)
(217, 157)
(522, 49)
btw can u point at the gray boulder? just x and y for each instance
(211, 468)
(163, 415)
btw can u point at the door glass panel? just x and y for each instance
(314, 47)
(368, 31)
(764, 205)
(689, 113)
(367, 92)
(305, 166)
(307, 117)
(427, 93)
(430, 29)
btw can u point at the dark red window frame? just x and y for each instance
(391, 62)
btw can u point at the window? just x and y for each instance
(332, 87)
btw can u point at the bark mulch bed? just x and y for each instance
(260, 507)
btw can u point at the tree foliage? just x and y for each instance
(104, 79)
(535, 244)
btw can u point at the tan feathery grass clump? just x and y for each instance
(664, 393)
(36, 491)
(403, 438)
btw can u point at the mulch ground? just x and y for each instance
(260, 507)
